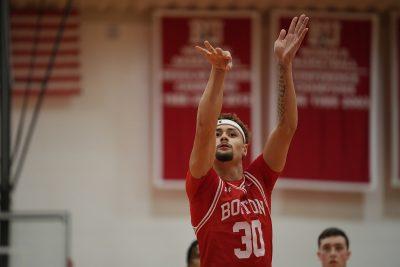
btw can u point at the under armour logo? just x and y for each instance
(228, 189)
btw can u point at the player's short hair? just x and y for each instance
(235, 118)
(333, 231)
(192, 252)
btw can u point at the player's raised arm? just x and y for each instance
(285, 48)
(203, 151)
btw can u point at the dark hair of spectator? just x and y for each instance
(192, 252)
(333, 231)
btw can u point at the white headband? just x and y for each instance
(234, 124)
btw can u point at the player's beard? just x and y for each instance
(224, 156)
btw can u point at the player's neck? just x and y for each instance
(229, 171)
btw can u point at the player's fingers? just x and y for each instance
(292, 25)
(282, 34)
(202, 50)
(209, 47)
(229, 66)
(227, 55)
(305, 22)
(302, 35)
(219, 51)
(303, 25)
(299, 23)
(301, 38)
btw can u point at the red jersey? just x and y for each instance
(232, 220)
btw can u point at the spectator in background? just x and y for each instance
(333, 248)
(193, 255)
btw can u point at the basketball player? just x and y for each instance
(230, 207)
(333, 248)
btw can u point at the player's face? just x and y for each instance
(333, 252)
(230, 144)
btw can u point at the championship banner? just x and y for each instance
(180, 76)
(335, 76)
(395, 61)
(33, 35)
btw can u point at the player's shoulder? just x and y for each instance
(203, 186)
(257, 164)
(210, 173)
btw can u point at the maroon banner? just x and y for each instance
(181, 76)
(395, 99)
(333, 76)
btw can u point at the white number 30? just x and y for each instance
(250, 238)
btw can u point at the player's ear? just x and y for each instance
(245, 150)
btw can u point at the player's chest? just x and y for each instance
(245, 201)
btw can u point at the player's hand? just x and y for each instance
(218, 58)
(287, 44)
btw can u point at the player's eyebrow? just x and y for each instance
(232, 129)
